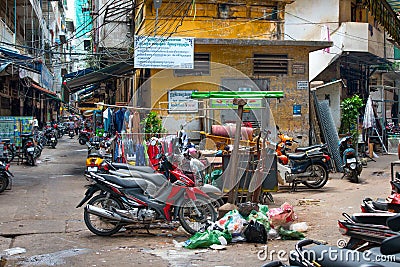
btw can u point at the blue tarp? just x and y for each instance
(78, 73)
(20, 60)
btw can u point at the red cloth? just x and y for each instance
(152, 152)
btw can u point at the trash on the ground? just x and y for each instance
(178, 244)
(261, 217)
(218, 247)
(281, 216)
(309, 201)
(260, 225)
(226, 208)
(255, 232)
(289, 234)
(222, 240)
(272, 234)
(233, 222)
(206, 239)
(246, 208)
(299, 227)
(14, 251)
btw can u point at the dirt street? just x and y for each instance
(39, 215)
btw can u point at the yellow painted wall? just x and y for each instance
(240, 58)
(204, 23)
(203, 20)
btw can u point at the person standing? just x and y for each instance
(35, 125)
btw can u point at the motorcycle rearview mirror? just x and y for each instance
(299, 137)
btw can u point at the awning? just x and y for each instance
(78, 73)
(100, 75)
(19, 60)
(50, 93)
(4, 65)
(89, 89)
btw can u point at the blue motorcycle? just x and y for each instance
(351, 165)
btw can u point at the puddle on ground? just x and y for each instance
(53, 259)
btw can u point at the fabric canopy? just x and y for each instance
(100, 75)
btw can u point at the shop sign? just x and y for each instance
(180, 101)
(226, 103)
(163, 52)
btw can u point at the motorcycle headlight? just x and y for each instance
(353, 166)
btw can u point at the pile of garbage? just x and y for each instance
(249, 222)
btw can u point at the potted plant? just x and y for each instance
(350, 109)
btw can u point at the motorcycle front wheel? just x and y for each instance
(320, 175)
(9, 155)
(82, 141)
(189, 218)
(31, 160)
(3, 183)
(99, 225)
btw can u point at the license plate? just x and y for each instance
(92, 169)
(53, 139)
(30, 149)
(351, 160)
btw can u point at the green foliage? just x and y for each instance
(152, 125)
(350, 109)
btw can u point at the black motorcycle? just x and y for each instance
(366, 230)
(5, 176)
(71, 133)
(29, 148)
(352, 167)
(310, 168)
(51, 137)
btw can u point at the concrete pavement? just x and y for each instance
(39, 215)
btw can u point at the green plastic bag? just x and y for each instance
(207, 238)
(263, 209)
(260, 217)
(290, 234)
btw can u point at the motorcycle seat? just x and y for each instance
(95, 154)
(380, 205)
(5, 140)
(125, 182)
(304, 149)
(126, 166)
(157, 179)
(297, 156)
(372, 218)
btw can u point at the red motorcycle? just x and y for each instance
(143, 198)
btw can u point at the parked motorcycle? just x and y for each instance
(5, 176)
(84, 137)
(144, 199)
(71, 133)
(369, 230)
(28, 148)
(390, 204)
(385, 255)
(51, 137)
(352, 167)
(310, 167)
(9, 150)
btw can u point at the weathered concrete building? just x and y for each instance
(247, 36)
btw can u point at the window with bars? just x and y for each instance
(267, 64)
(201, 66)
